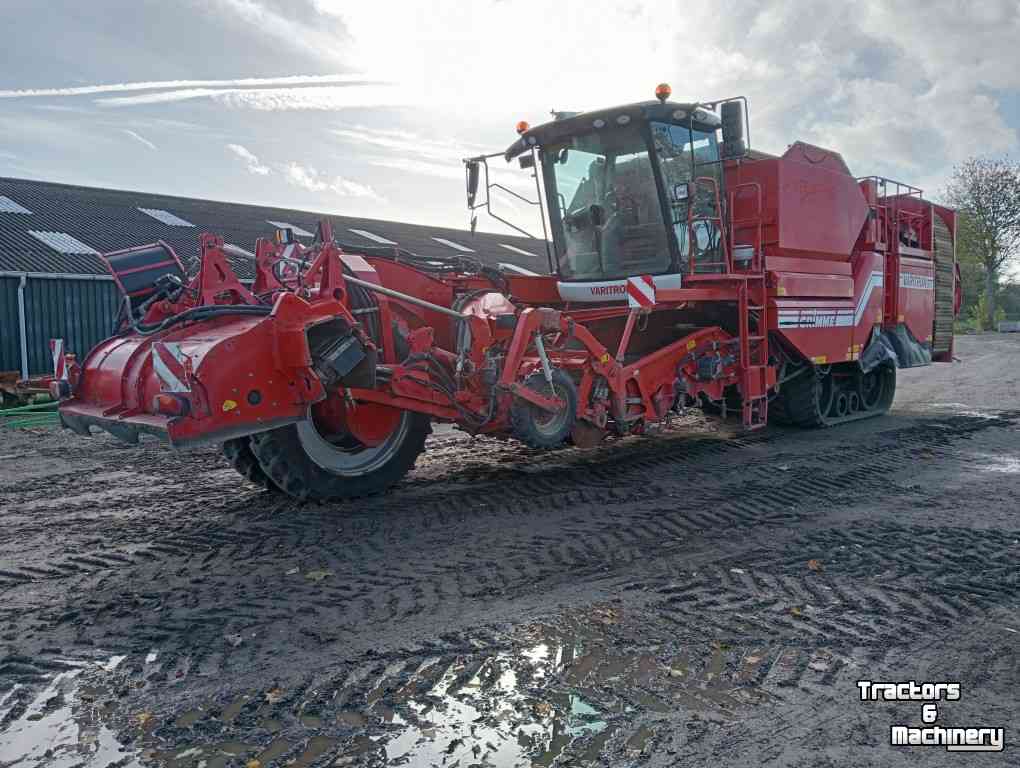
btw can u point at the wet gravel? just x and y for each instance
(696, 596)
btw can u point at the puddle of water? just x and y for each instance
(998, 463)
(62, 726)
(489, 718)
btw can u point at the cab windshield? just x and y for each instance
(606, 213)
(689, 163)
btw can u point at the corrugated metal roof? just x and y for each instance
(109, 220)
(9, 206)
(372, 236)
(298, 232)
(452, 244)
(62, 242)
(166, 217)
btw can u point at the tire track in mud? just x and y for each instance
(327, 577)
(209, 525)
(872, 588)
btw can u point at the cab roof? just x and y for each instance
(585, 122)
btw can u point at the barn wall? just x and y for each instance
(81, 312)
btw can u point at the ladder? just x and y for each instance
(753, 350)
(751, 309)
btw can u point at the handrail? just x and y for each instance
(758, 245)
(717, 220)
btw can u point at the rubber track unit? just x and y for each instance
(798, 402)
(241, 457)
(284, 460)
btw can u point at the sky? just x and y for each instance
(366, 108)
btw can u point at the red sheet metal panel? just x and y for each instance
(821, 211)
(916, 300)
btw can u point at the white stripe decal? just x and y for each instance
(920, 282)
(610, 290)
(832, 318)
(168, 378)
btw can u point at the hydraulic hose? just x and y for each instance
(202, 313)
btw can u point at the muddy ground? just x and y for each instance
(693, 598)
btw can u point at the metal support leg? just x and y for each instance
(546, 367)
(628, 331)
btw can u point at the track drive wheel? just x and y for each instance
(877, 388)
(309, 463)
(241, 457)
(808, 398)
(541, 429)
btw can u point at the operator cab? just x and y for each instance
(632, 190)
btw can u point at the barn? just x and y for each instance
(54, 285)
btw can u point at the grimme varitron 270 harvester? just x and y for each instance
(686, 270)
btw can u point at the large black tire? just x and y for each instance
(307, 467)
(540, 429)
(241, 457)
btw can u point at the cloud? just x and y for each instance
(140, 139)
(151, 85)
(159, 41)
(252, 162)
(442, 158)
(270, 99)
(308, 178)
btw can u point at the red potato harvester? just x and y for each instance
(686, 270)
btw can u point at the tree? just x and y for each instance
(986, 192)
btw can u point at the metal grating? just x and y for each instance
(63, 242)
(452, 244)
(9, 206)
(372, 236)
(292, 227)
(166, 217)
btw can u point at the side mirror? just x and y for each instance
(681, 192)
(473, 174)
(598, 215)
(731, 115)
(526, 161)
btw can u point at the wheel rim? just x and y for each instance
(872, 389)
(842, 403)
(347, 457)
(546, 422)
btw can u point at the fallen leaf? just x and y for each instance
(234, 640)
(815, 565)
(795, 611)
(253, 763)
(274, 695)
(144, 719)
(318, 575)
(752, 659)
(291, 572)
